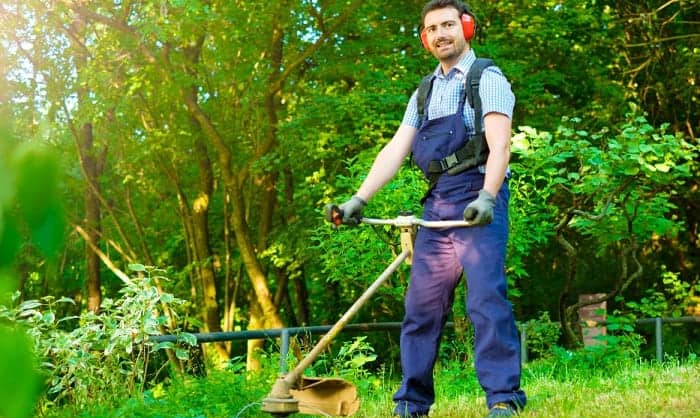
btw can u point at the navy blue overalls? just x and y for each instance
(440, 257)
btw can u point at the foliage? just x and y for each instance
(31, 221)
(99, 357)
(621, 338)
(221, 393)
(606, 196)
(189, 112)
(349, 361)
(584, 37)
(19, 382)
(672, 297)
(597, 357)
(542, 335)
(555, 388)
(596, 171)
(342, 250)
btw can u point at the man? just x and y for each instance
(480, 194)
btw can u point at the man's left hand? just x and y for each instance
(480, 211)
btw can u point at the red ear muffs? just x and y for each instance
(468, 26)
(467, 29)
(424, 40)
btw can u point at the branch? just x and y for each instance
(110, 242)
(91, 184)
(87, 13)
(277, 85)
(113, 23)
(638, 68)
(565, 220)
(656, 41)
(610, 197)
(665, 5)
(120, 274)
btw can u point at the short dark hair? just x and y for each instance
(441, 4)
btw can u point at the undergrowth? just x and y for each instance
(629, 387)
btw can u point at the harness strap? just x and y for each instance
(423, 89)
(472, 90)
(475, 151)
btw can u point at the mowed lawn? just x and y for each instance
(643, 390)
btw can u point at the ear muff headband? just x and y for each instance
(468, 27)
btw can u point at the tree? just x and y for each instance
(608, 196)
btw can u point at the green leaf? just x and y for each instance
(137, 267)
(49, 317)
(20, 384)
(631, 170)
(30, 304)
(164, 345)
(182, 354)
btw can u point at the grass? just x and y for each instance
(637, 390)
(556, 388)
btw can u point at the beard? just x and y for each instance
(454, 50)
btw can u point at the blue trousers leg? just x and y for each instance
(434, 276)
(482, 252)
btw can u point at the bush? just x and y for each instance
(107, 356)
(542, 335)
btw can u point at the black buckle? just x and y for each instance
(448, 162)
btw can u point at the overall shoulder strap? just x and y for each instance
(471, 90)
(423, 89)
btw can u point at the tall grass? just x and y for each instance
(627, 388)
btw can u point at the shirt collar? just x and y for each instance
(462, 66)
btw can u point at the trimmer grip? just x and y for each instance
(336, 215)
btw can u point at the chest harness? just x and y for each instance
(475, 150)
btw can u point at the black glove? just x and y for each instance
(480, 211)
(350, 211)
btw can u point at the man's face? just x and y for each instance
(444, 33)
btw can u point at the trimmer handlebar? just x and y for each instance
(411, 220)
(402, 220)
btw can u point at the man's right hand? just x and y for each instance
(350, 211)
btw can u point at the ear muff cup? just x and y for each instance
(468, 29)
(468, 26)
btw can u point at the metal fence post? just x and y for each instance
(658, 322)
(284, 350)
(523, 343)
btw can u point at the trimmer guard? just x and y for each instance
(328, 396)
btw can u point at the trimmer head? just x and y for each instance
(329, 396)
(279, 402)
(313, 396)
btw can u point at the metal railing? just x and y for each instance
(285, 333)
(658, 334)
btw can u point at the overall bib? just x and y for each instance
(439, 259)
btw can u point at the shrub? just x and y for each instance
(107, 356)
(542, 335)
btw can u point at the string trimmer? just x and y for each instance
(293, 393)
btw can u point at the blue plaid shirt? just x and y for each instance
(494, 89)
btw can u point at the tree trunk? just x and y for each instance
(84, 140)
(202, 247)
(255, 321)
(92, 218)
(302, 300)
